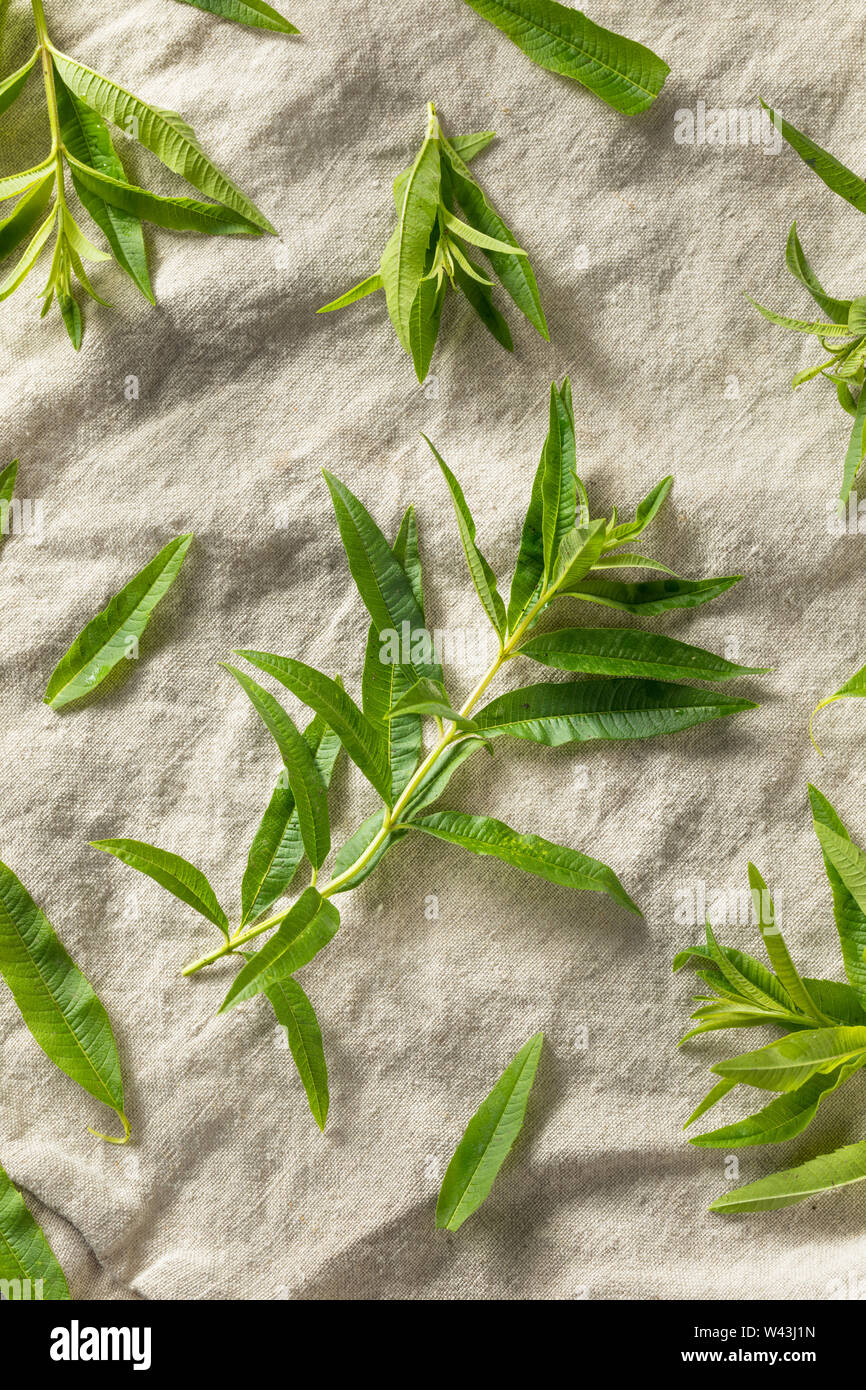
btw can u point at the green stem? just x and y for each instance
(50, 94)
(390, 819)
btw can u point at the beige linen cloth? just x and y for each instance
(444, 964)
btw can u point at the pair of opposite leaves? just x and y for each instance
(82, 104)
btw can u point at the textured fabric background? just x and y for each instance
(643, 248)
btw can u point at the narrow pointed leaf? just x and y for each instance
(425, 317)
(755, 972)
(480, 298)
(713, 1096)
(795, 258)
(559, 481)
(829, 169)
(487, 1140)
(480, 572)
(849, 914)
(27, 212)
(615, 651)
(646, 512)
(171, 872)
(178, 214)
(622, 72)
(368, 286)
(252, 12)
(529, 570)
(306, 927)
(26, 1258)
(403, 260)
(823, 1174)
(649, 597)
(784, 1118)
(477, 238)
(113, 634)
(531, 853)
(847, 859)
(428, 698)
(56, 1002)
(29, 258)
(579, 552)
(13, 184)
(12, 86)
(774, 942)
(819, 327)
(384, 682)
(790, 1062)
(856, 450)
(356, 845)
(297, 1015)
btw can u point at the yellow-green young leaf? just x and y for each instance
(31, 255)
(622, 651)
(28, 1266)
(829, 169)
(424, 319)
(774, 944)
(856, 686)
(368, 286)
(784, 1118)
(818, 327)
(648, 597)
(560, 712)
(56, 1002)
(172, 872)
(403, 260)
(178, 214)
(162, 132)
(13, 184)
(713, 1096)
(795, 258)
(26, 213)
(277, 848)
(297, 1015)
(7, 487)
(252, 12)
(788, 1063)
(579, 551)
(360, 738)
(531, 853)
(114, 633)
(847, 859)
(480, 572)
(850, 916)
(623, 73)
(647, 510)
(487, 1140)
(856, 450)
(304, 929)
(12, 86)
(305, 781)
(822, 1174)
(479, 238)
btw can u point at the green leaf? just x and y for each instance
(850, 915)
(787, 1064)
(26, 1258)
(615, 651)
(12, 86)
(368, 286)
(404, 257)
(113, 634)
(72, 319)
(356, 845)
(172, 872)
(559, 481)
(480, 298)
(305, 781)
(277, 848)
(252, 12)
(487, 1140)
(381, 580)
(478, 238)
(649, 597)
(425, 317)
(297, 1015)
(856, 450)
(532, 854)
(623, 73)
(774, 943)
(56, 1002)
(819, 327)
(29, 258)
(632, 561)
(784, 1118)
(358, 735)
(178, 214)
(713, 1096)
(480, 572)
(829, 170)
(26, 213)
(87, 140)
(436, 779)
(162, 132)
(7, 488)
(554, 713)
(13, 184)
(529, 570)
(821, 1174)
(795, 258)
(307, 926)
(468, 146)
(383, 682)
(757, 976)
(514, 272)
(646, 512)
(579, 551)
(838, 1002)
(426, 697)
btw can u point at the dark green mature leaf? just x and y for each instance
(789, 1063)
(487, 1140)
(277, 848)
(480, 298)
(171, 872)
(404, 257)
(615, 651)
(358, 735)
(559, 481)
(822, 1174)
(648, 597)
(529, 571)
(433, 783)
(784, 1118)
(252, 12)
(831, 172)
(26, 213)
(307, 926)
(554, 713)
(305, 781)
(622, 72)
(481, 574)
(162, 132)
(178, 214)
(27, 1261)
(850, 916)
(56, 1001)
(381, 580)
(556, 863)
(384, 682)
(88, 141)
(356, 845)
(297, 1015)
(12, 86)
(113, 634)
(795, 258)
